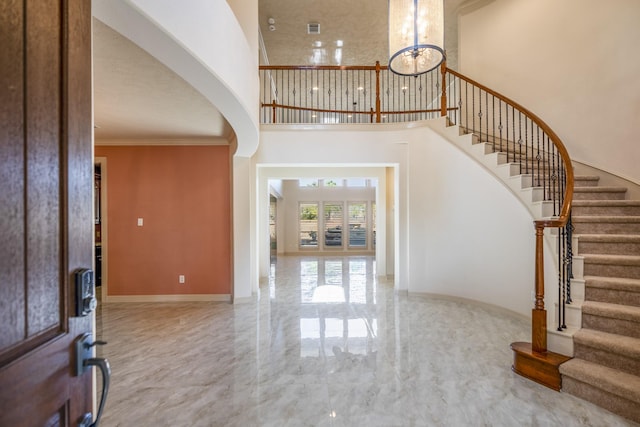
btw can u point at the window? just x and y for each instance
(333, 219)
(308, 225)
(358, 225)
(356, 182)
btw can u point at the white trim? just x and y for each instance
(104, 234)
(169, 298)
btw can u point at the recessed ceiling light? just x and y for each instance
(360, 88)
(315, 88)
(339, 43)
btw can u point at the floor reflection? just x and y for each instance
(326, 343)
(338, 313)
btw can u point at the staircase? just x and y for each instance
(605, 369)
(604, 317)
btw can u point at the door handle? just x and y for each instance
(84, 361)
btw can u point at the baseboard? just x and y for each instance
(245, 300)
(169, 298)
(486, 305)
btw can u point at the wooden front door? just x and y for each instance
(46, 180)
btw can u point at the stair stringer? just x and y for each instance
(532, 199)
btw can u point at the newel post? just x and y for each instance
(539, 314)
(443, 98)
(273, 111)
(378, 117)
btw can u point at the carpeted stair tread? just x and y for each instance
(619, 207)
(613, 311)
(588, 189)
(606, 224)
(599, 193)
(609, 238)
(606, 202)
(610, 380)
(619, 344)
(606, 218)
(612, 259)
(609, 243)
(586, 178)
(614, 283)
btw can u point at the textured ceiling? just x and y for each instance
(352, 32)
(137, 97)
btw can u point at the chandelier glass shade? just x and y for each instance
(416, 36)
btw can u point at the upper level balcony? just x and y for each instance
(347, 94)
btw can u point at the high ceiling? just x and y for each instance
(137, 97)
(352, 32)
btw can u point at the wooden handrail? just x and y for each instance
(562, 150)
(539, 316)
(319, 110)
(324, 67)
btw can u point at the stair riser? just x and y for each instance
(572, 316)
(598, 195)
(612, 326)
(606, 358)
(605, 210)
(611, 270)
(611, 402)
(606, 227)
(612, 296)
(605, 248)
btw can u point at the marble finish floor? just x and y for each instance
(325, 344)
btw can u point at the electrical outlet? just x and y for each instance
(181, 278)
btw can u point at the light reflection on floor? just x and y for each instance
(326, 343)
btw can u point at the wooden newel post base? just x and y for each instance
(532, 360)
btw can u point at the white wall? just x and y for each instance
(246, 12)
(460, 232)
(572, 62)
(469, 235)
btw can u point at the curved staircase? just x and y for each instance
(604, 317)
(605, 369)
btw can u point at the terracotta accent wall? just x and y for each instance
(182, 193)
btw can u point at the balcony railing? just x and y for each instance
(340, 94)
(373, 94)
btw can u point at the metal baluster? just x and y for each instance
(569, 227)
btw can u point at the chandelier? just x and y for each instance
(416, 36)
